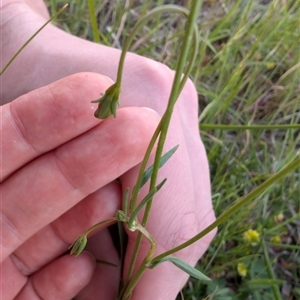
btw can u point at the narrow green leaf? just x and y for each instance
(93, 19)
(264, 282)
(183, 266)
(236, 206)
(104, 262)
(272, 276)
(147, 174)
(125, 202)
(31, 38)
(147, 198)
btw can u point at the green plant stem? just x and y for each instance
(141, 205)
(167, 8)
(144, 164)
(158, 10)
(31, 38)
(94, 21)
(284, 246)
(277, 227)
(151, 145)
(53, 7)
(155, 135)
(237, 206)
(100, 224)
(132, 283)
(177, 86)
(275, 289)
(251, 127)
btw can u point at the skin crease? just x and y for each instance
(51, 187)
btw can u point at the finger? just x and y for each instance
(10, 288)
(48, 117)
(105, 280)
(54, 239)
(50, 185)
(61, 279)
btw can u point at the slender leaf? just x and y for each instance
(183, 266)
(147, 198)
(104, 262)
(147, 174)
(125, 203)
(264, 282)
(31, 38)
(93, 19)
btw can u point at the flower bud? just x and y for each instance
(79, 245)
(121, 216)
(108, 102)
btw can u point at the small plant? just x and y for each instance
(127, 217)
(107, 106)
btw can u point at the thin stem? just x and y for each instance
(158, 10)
(135, 195)
(132, 283)
(251, 127)
(53, 7)
(141, 205)
(143, 165)
(177, 86)
(31, 38)
(183, 81)
(275, 289)
(100, 224)
(234, 208)
(125, 202)
(145, 160)
(94, 21)
(277, 227)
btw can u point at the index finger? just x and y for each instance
(51, 117)
(44, 189)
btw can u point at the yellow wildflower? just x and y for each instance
(251, 236)
(270, 65)
(242, 269)
(276, 239)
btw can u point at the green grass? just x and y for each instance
(247, 73)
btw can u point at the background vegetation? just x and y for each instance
(248, 80)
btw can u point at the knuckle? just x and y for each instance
(159, 79)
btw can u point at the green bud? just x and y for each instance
(121, 216)
(79, 245)
(108, 103)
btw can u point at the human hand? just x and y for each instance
(183, 207)
(58, 178)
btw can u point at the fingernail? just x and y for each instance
(152, 111)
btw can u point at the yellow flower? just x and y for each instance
(270, 65)
(251, 236)
(276, 239)
(242, 269)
